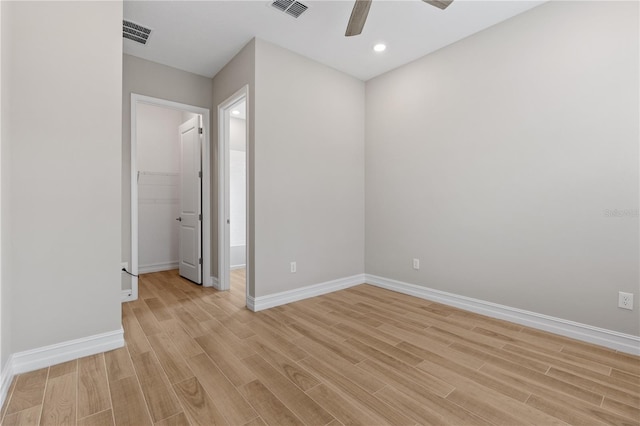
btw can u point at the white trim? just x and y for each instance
(6, 377)
(214, 283)
(157, 267)
(66, 351)
(265, 302)
(206, 186)
(224, 243)
(46, 356)
(126, 295)
(612, 339)
(233, 267)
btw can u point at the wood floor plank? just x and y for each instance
(199, 408)
(345, 368)
(271, 409)
(561, 360)
(396, 373)
(147, 320)
(563, 412)
(64, 368)
(328, 343)
(158, 309)
(428, 411)
(185, 343)
(380, 345)
(59, 405)
(596, 387)
(157, 392)
(28, 391)
(256, 422)
(129, 407)
(103, 418)
(554, 402)
(174, 366)
(286, 391)
(119, 365)
(179, 419)
(93, 388)
(223, 393)
(134, 335)
(364, 399)
(341, 407)
(225, 337)
(476, 404)
(287, 367)
(26, 417)
(226, 360)
(424, 342)
(626, 377)
(457, 374)
(286, 347)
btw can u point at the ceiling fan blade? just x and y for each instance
(441, 4)
(358, 17)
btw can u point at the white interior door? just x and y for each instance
(190, 219)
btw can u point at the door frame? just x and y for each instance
(224, 239)
(207, 280)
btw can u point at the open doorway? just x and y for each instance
(170, 190)
(233, 226)
(238, 197)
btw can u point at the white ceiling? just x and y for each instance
(202, 36)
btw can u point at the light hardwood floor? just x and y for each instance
(359, 356)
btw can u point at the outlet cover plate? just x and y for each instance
(625, 300)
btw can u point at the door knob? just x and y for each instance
(179, 219)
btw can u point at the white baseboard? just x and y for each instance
(214, 283)
(6, 376)
(612, 339)
(232, 267)
(46, 356)
(158, 267)
(61, 352)
(282, 298)
(208, 281)
(126, 295)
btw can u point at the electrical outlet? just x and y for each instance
(416, 264)
(625, 300)
(293, 267)
(124, 265)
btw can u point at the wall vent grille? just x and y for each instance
(135, 32)
(290, 7)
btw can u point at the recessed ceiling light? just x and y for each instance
(380, 47)
(235, 112)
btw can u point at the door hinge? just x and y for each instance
(200, 174)
(200, 261)
(200, 217)
(200, 130)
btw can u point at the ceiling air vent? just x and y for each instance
(135, 32)
(290, 7)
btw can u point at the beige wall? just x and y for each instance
(308, 171)
(62, 188)
(494, 161)
(239, 72)
(148, 78)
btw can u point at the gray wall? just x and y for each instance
(5, 237)
(308, 171)
(61, 171)
(148, 78)
(496, 159)
(240, 71)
